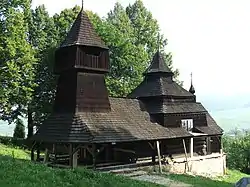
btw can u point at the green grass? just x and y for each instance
(14, 152)
(228, 180)
(17, 171)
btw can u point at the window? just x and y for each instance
(187, 124)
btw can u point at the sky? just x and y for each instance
(209, 38)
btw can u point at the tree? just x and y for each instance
(43, 37)
(17, 60)
(146, 30)
(64, 21)
(29, 36)
(127, 60)
(19, 131)
(46, 34)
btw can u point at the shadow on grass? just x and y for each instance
(32, 174)
(199, 181)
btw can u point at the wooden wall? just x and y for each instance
(81, 57)
(174, 120)
(65, 100)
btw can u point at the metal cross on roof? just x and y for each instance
(158, 42)
(191, 77)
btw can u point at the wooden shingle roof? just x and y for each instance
(212, 128)
(127, 121)
(158, 81)
(83, 33)
(175, 108)
(159, 86)
(158, 65)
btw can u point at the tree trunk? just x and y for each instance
(30, 124)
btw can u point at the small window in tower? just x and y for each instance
(93, 52)
(187, 124)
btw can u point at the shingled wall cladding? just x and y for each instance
(65, 100)
(174, 120)
(92, 94)
(64, 59)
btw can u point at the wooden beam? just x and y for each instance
(159, 155)
(124, 150)
(89, 150)
(152, 145)
(76, 149)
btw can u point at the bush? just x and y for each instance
(14, 142)
(237, 148)
(19, 131)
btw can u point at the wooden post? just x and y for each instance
(220, 144)
(46, 156)
(70, 155)
(38, 153)
(208, 145)
(159, 155)
(32, 154)
(152, 146)
(84, 152)
(94, 155)
(54, 149)
(191, 147)
(75, 159)
(107, 149)
(186, 165)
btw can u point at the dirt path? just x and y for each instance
(161, 180)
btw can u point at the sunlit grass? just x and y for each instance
(228, 180)
(14, 152)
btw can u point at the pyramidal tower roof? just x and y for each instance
(158, 65)
(159, 81)
(83, 33)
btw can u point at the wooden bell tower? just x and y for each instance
(81, 63)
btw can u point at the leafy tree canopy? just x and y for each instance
(28, 41)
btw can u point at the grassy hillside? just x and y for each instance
(17, 171)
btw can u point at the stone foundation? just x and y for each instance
(209, 165)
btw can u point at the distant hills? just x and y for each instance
(233, 118)
(230, 112)
(247, 105)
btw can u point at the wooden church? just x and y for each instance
(158, 119)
